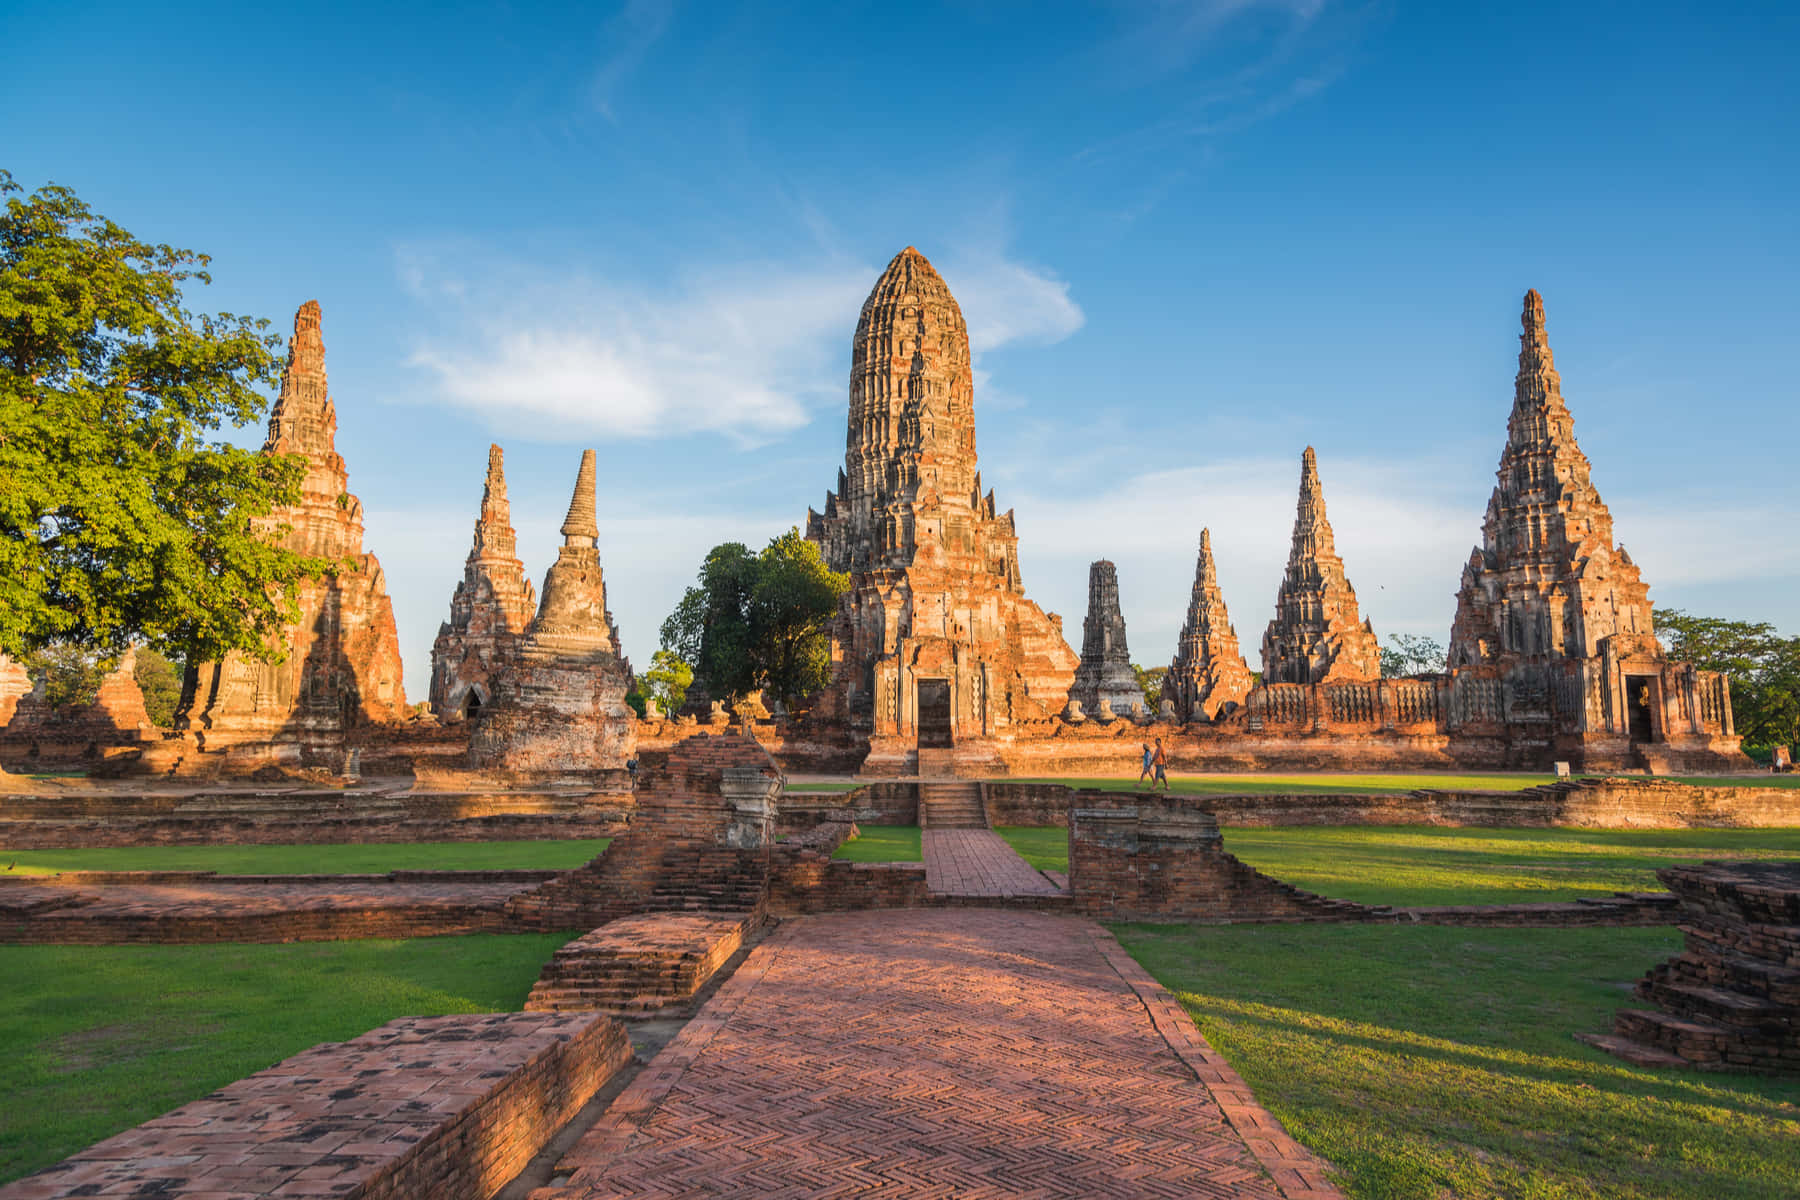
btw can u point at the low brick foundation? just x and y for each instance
(447, 1107)
(638, 964)
(1731, 1000)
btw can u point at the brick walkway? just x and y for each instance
(978, 862)
(939, 1053)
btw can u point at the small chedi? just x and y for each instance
(488, 611)
(15, 684)
(1208, 675)
(115, 720)
(935, 645)
(558, 707)
(1104, 676)
(342, 665)
(1553, 653)
(1317, 636)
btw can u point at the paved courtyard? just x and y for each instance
(939, 1053)
(978, 862)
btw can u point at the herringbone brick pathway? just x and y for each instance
(978, 862)
(939, 1053)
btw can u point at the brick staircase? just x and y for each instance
(951, 804)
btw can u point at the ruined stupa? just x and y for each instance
(935, 643)
(342, 668)
(1317, 636)
(1105, 670)
(558, 708)
(488, 611)
(15, 684)
(1209, 671)
(1557, 616)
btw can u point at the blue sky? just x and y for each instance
(1190, 238)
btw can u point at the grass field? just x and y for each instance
(1328, 783)
(310, 860)
(882, 843)
(1044, 847)
(95, 1039)
(1430, 1062)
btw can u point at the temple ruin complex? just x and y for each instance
(1317, 636)
(342, 665)
(1104, 682)
(1208, 676)
(935, 646)
(488, 611)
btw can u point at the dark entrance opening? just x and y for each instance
(1640, 703)
(934, 714)
(471, 706)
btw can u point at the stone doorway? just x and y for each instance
(934, 715)
(1641, 696)
(471, 706)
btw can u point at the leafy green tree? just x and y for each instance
(70, 674)
(119, 520)
(1411, 654)
(160, 681)
(1151, 683)
(1764, 668)
(758, 621)
(667, 681)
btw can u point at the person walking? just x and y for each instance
(1160, 761)
(1145, 773)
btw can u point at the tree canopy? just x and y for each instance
(1410, 654)
(119, 520)
(1764, 668)
(758, 620)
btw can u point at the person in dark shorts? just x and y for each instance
(1160, 761)
(1145, 773)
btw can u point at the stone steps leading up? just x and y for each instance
(951, 805)
(1700, 1002)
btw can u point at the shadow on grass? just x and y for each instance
(1428, 1062)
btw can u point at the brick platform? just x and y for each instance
(171, 907)
(939, 1053)
(978, 862)
(446, 1107)
(638, 964)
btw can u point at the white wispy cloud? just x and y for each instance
(624, 40)
(747, 351)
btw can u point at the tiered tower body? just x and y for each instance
(935, 642)
(558, 706)
(342, 668)
(488, 611)
(1317, 636)
(1553, 646)
(1209, 670)
(1105, 672)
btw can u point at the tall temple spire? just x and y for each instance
(1105, 672)
(1209, 670)
(1547, 579)
(582, 527)
(1317, 634)
(488, 611)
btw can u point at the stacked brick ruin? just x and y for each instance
(113, 723)
(341, 669)
(15, 685)
(558, 709)
(936, 621)
(488, 611)
(1104, 682)
(1208, 677)
(1731, 1000)
(1553, 653)
(698, 842)
(1317, 636)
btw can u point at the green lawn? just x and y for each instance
(96, 1039)
(1044, 847)
(1325, 783)
(1429, 1063)
(310, 860)
(1421, 864)
(882, 843)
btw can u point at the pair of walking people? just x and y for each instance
(1155, 761)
